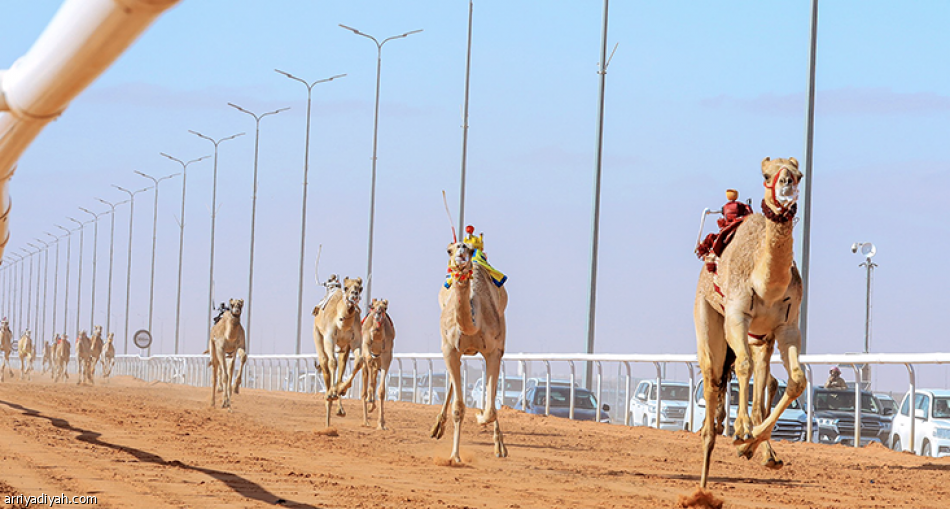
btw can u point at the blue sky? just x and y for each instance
(697, 95)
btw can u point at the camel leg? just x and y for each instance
(214, 376)
(224, 374)
(453, 364)
(381, 397)
(340, 387)
(711, 348)
(489, 414)
(439, 429)
(789, 340)
(371, 370)
(365, 396)
(240, 356)
(737, 336)
(357, 366)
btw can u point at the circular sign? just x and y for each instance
(142, 339)
(868, 249)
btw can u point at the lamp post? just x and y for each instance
(23, 290)
(69, 249)
(151, 285)
(372, 199)
(468, 69)
(181, 237)
(249, 305)
(29, 286)
(82, 235)
(41, 322)
(36, 302)
(55, 278)
(18, 291)
(95, 258)
(111, 258)
(868, 251)
(214, 213)
(303, 211)
(128, 275)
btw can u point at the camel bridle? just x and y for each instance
(786, 212)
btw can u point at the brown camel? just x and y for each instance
(377, 350)
(6, 348)
(95, 351)
(227, 346)
(336, 327)
(84, 358)
(473, 321)
(47, 357)
(108, 357)
(27, 354)
(61, 358)
(746, 307)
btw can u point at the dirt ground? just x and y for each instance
(133, 444)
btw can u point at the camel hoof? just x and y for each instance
(438, 430)
(742, 440)
(332, 396)
(236, 390)
(773, 464)
(340, 412)
(382, 427)
(501, 451)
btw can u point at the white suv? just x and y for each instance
(932, 429)
(672, 406)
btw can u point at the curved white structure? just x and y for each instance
(83, 40)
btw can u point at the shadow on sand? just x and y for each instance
(240, 485)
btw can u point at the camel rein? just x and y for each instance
(786, 212)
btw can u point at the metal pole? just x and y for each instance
(29, 289)
(595, 221)
(95, 258)
(303, 211)
(111, 260)
(82, 236)
(468, 71)
(372, 203)
(250, 278)
(69, 254)
(45, 288)
(128, 275)
(214, 212)
(151, 284)
(867, 305)
(55, 280)
(808, 176)
(181, 239)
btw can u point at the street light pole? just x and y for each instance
(595, 219)
(181, 238)
(82, 235)
(36, 302)
(214, 213)
(42, 323)
(128, 275)
(372, 199)
(95, 257)
(69, 251)
(55, 279)
(111, 258)
(22, 286)
(303, 212)
(248, 305)
(468, 71)
(29, 286)
(151, 285)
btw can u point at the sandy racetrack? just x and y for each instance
(133, 444)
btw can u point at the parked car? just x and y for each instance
(585, 404)
(510, 396)
(438, 389)
(791, 424)
(932, 427)
(392, 387)
(834, 409)
(888, 404)
(674, 402)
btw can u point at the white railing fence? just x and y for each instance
(300, 373)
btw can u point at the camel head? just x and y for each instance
(378, 308)
(236, 306)
(460, 260)
(109, 339)
(781, 186)
(97, 330)
(352, 289)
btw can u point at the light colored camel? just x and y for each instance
(84, 358)
(336, 327)
(377, 350)
(47, 357)
(95, 351)
(473, 321)
(747, 307)
(27, 354)
(6, 348)
(227, 346)
(61, 358)
(108, 357)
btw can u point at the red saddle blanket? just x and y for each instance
(716, 243)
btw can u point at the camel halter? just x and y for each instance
(787, 212)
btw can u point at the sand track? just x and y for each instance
(133, 444)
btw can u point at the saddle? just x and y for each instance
(715, 243)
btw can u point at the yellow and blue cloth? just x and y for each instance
(480, 258)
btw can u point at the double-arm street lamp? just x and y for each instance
(249, 304)
(151, 285)
(303, 211)
(95, 259)
(181, 237)
(372, 199)
(112, 206)
(214, 213)
(128, 275)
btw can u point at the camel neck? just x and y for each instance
(772, 272)
(462, 294)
